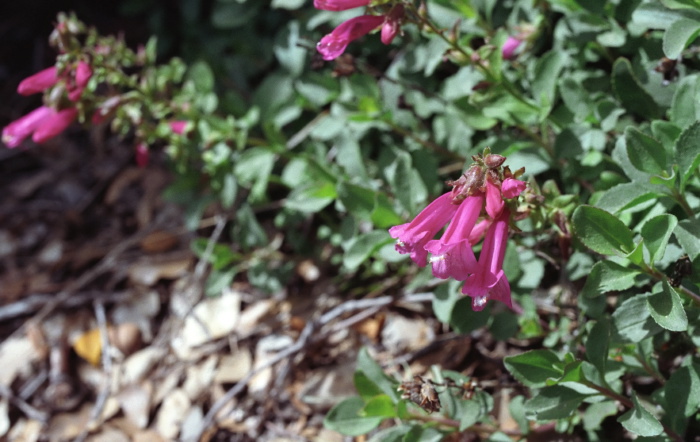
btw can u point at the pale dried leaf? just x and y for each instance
(140, 363)
(135, 401)
(109, 434)
(191, 424)
(4, 417)
(147, 436)
(266, 349)
(67, 426)
(251, 316)
(25, 431)
(233, 368)
(211, 319)
(199, 377)
(401, 334)
(18, 354)
(172, 413)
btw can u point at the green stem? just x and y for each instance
(680, 199)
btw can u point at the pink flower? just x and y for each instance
(178, 126)
(142, 155)
(392, 24)
(54, 124)
(44, 123)
(83, 72)
(14, 133)
(334, 44)
(509, 47)
(38, 82)
(452, 254)
(412, 237)
(511, 188)
(339, 5)
(489, 281)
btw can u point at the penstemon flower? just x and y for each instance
(334, 44)
(509, 47)
(38, 82)
(412, 237)
(477, 205)
(488, 280)
(452, 253)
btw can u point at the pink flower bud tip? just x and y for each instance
(339, 5)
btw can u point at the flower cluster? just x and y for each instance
(476, 208)
(333, 45)
(46, 122)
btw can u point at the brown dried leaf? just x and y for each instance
(159, 241)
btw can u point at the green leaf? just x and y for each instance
(534, 367)
(688, 152)
(607, 276)
(598, 343)
(630, 92)
(463, 318)
(596, 413)
(632, 320)
(645, 153)
(682, 393)
(679, 35)
(684, 107)
(602, 232)
(626, 196)
(639, 421)
(402, 181)
(380, 406)
(364, 246)
(687, 233)
(311, 198)
(359, 201)
(366, 388)
(555, 402)
(656, 233)
(374, 373)
(547, 71)
(667, 310)
(383, 215)
(345, 418)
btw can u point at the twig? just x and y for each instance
(31, 412)
(106, 359)
(34, 302)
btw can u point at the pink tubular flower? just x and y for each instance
(392, 24)
(412, 237)
(334, 44)
(489, 281)
(14, 133)
(452, 254)
(509, 47)
(510, 187)
(339, 5)
(54, 124)
(178, 126)
(38, 82)
(142, 155)
(83, 72)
